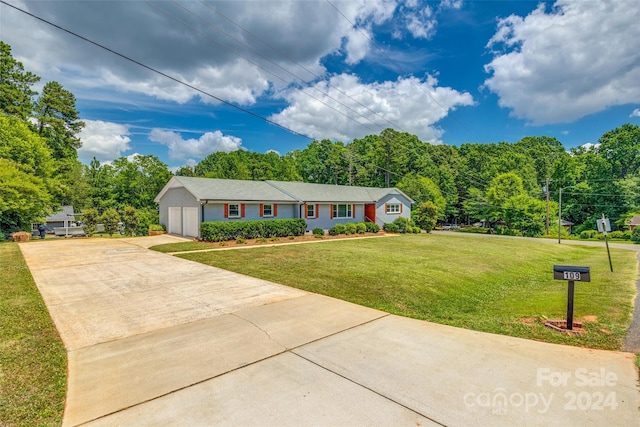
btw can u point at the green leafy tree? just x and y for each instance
(422, 189)
(147, 217)
(20, 144)
(620, 147)
(131, 220)
(426, 216)
(110, 218)
(137, 182)
(59, 121)
(100, 179)
(24, 198)
(526, 214)
(475, 206)
(503, 187)
(15, 85)
(90, 218)
(324, 162)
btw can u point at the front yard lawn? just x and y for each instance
(502, 286)
(33, 361)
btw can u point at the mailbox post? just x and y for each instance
(572, 274)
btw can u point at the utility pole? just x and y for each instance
(547, 191)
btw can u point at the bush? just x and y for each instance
(635, 235)
(372, 227)
(616, 235)
(156, 227)
(588, 234)
(90, 219)
(404, 224)
(219, 231)
(318, 232)
(337, 229)
(110, 218)
(361, 228)
(426, 216)
(627, 235)
(416, 230)
(241, 241)
(130, 219)
(146, 218)
(391, 228)
(350, 228)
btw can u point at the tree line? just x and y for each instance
(499, 185)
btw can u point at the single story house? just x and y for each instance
(186, 202)
(63, 218)
(634, 222)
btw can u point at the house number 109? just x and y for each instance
(572, 275)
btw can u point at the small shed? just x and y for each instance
(567, 225)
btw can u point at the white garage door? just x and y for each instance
(190, 222)
(175, 220)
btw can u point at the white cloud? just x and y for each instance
(201, 55)
(451, 4)
(422, 25)
(409, 104)
(103, 140)
(577, 59)
(206, 144)
(635, 113)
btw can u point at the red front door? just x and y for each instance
(370, 213)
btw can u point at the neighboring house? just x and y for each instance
(63, 218)
(186, 202)
(567, 225)
(634, 222)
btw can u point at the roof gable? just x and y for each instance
(66, 214)
(634, 221)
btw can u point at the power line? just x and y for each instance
(154, 70)
(284, 55)
(258, 65)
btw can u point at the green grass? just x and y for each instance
(33, 361)
(181, 247)
(470, 281)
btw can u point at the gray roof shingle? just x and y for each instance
(66, 214)
(231, 189)
(276, 191)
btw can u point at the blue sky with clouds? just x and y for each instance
(450, 71)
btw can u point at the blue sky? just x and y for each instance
(450, 71)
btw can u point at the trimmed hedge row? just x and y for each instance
(218, 231)
(354, 228)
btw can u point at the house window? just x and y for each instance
(311, 211)
(343, 211)
(394, 208)
(267, 210)
(234, 211)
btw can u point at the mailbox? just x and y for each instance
(571, 273)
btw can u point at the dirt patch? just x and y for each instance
(590, 319)
(561, 326)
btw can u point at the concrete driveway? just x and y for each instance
(157, 340)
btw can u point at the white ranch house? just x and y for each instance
(186, 202)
